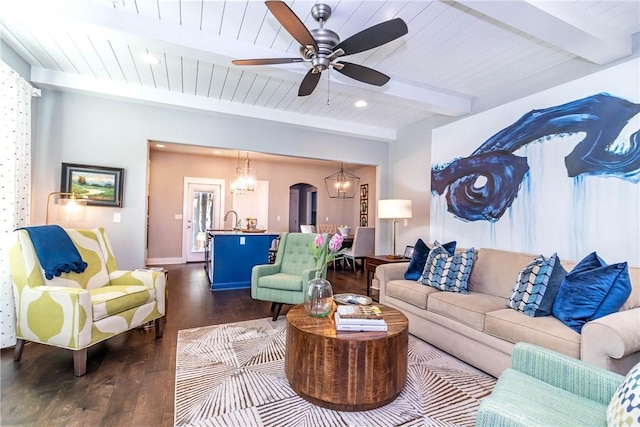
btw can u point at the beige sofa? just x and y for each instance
(480, 329)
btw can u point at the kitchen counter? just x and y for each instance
(232, 254)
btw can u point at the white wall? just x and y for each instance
(410, 163)
(90, 130)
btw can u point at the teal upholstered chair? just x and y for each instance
(77, 310)
(546, 388)
(284, 281)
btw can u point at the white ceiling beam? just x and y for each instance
(57, 80)
(562, 24)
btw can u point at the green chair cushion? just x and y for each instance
(521, 400)
(281, 281)
(110, 300)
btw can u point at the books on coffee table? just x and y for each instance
(359, 318)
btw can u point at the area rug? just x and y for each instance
(233, 375)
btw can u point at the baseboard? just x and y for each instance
(164, 261)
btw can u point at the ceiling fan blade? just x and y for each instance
(266, 61)
(373, 36)
(362, 73)
(309, 83)
(291, 23)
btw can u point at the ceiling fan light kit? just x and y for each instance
(321, 46)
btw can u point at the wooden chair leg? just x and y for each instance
(158, 324)
(80, 362)
(273, 306)
(17, 354)
(277, 312)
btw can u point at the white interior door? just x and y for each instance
(203, 210)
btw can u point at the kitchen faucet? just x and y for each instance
(236, 225)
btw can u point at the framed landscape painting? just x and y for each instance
(101, 186)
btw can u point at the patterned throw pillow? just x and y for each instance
(446, 272)
(624, 408)
(530, 288)
(419, 258)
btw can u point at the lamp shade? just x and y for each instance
(394, 208)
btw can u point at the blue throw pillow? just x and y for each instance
(553, 286)
(531, 286)
(419, 258)
(591, 290)
(446, 272)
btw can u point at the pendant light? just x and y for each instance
(246, 178)
(342, 185)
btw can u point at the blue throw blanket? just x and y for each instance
(55, 250)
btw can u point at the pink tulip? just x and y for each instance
(319, 240)
(336, 242)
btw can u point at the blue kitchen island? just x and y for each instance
(232, 255)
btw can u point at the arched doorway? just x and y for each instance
(302, 205)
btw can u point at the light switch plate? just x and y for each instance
(117, 217)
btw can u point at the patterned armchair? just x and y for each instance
(284, 282)
(77, 310)
(547, 388)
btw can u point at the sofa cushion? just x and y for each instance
(110, 300)
(468, 309)
(549, 332)
(410, 292)
(419, 258)
(495, 270)
(591, 290)
(624, 408)
(446, 272)
(531, 286)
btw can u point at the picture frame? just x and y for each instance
(408, 252)
(99, 185)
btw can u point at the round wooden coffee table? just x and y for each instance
(346, 371)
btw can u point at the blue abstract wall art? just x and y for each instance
(482, 186)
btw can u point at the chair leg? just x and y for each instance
(80, 362)
(276, 313)
(158, 324)
(273, 306)
(17, 354)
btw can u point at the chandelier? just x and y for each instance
(341, 185)
(246, 178)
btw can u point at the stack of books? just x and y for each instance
(359, 318)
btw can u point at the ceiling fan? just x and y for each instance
(321, 46)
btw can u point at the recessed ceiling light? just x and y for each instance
(149, 59)
(217, 152)
(361, 103)
(159, 145)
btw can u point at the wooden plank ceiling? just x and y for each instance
(455, 53)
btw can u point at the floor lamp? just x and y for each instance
(394, 209)
(73, 209)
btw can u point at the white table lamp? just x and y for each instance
(394, 209)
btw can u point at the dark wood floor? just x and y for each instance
(130, 378)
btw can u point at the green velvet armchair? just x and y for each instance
(546, 388)
(77, 310)
(284, 281)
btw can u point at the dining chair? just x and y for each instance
(307, 228)
(330, 229)
(363, 246)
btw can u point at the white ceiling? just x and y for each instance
(456, 54)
